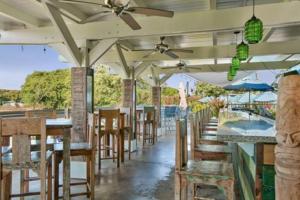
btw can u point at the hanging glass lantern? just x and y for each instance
(232, 71)
(242, 51)
(235, 63)
(229, 77)
(254, 29)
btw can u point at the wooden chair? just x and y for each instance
(109, 125)
(190, 172)
(203, 149)
(127, 127)
(149, 125)
(21, 157)
(86, 149)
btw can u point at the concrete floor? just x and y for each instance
(149, 175)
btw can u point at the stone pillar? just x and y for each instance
(127, 99)
(82, 87)
(287, 151)
(156, 101)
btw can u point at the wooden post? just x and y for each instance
(287, 151)
(82, 101)
(156, 101)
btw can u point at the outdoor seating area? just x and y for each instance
(149, 100)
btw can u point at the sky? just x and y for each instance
(16, 62)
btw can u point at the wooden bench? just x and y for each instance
(190, 172)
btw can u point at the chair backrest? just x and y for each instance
(127, 117)
(48, 114)
(91, 129)
(20, 129)
(149, 113)
(109, 121)
(181, 144)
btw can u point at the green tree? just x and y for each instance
(49, 89)
(107, 88)
(206, 89)
(9, 95)
(143, 91)
(169, 96)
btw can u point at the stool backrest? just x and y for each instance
(127, 117)
(149, 113)
(109, 121)
(48, 114)
(181, 144)
(91, 129)
(20, 129)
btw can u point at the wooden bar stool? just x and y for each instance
(109, 125)
(149, 125)
(85, 149)
(190, 172)
(127, 127)
(21, 157)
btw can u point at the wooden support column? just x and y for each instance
(156, 101)
(287, 151)
(82, 101)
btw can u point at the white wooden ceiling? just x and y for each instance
(197, 25)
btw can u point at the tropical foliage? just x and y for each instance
(9, 95)
(206, 89)
(50, 89)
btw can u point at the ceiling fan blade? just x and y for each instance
(171, 54)
(82, 2)
(150, 11)
(128, 19)
(182, 50)
(97, 17)
(150, 54)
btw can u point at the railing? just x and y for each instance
(9, 114)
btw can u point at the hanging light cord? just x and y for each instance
(253, 7)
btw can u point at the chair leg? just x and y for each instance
(49, 184)
(92, 176)
(113, 147)
(6, 185)
(129, 144)
(23, 179)
(99, 153)
(56, 175)
(118, 151)
(88, 175)
(144, 133)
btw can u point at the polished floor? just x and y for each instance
(147, 176)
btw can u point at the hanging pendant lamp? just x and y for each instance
(253, 29)
(242, 50)
(229, 77)
(232, 71)
(235, 63)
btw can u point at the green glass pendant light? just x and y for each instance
(229, 77)
(232, 71)
(253, 29)
(242, 50)
(235, 63)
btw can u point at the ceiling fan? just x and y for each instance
(182, 66)
(119, 9)
(163, 48)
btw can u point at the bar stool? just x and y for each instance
(149, 126)
(85, 149)
(109, 125)
(127, 127)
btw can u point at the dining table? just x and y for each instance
(62, 127)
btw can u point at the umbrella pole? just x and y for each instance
(249, 100)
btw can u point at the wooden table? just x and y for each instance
(62, 127)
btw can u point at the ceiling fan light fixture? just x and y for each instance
(235, 63)
(242, 51)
